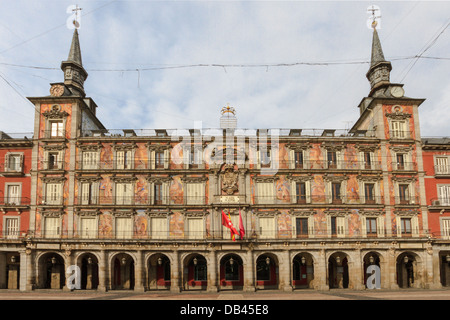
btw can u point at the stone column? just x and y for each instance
(249, 272)
(320, 271)
(139, 274)
(3, 284)
(212, 271)
(103, 272)
(175, 273)
(285, 271)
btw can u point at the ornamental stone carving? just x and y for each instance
(229, 179)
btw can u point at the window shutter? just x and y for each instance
(120, 159)
(311, 226)
(88, 228)
(380, 226)
(291, 159)
(399, 226)
(340, 224)
(308, 191)
(445, 228)
(293, 191)
(52, 228)
(85, 192)
(363, 227)
(166, 158)
(195, 228)
(267, 227)
(123, 228)
(119, 193)
(159, 228)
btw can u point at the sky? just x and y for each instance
(170, 64)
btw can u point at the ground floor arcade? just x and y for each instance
(218, 267)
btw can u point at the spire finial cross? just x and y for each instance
(76, 22)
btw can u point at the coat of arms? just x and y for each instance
(229, 179)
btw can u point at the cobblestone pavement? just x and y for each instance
(335, 294)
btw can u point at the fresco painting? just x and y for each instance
(105, 225)
(141, 192)
(141, 156)
(140, 224)
(283, 187)
(176, 190)
(176, 225)
(106, 190)
(106, 156)
(318, 189)
(284, 224)
(315, 157)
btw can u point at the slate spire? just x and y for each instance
(379, 71)
(74, 72)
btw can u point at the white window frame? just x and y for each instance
(11, 231)
(445, 228)
(195, 193)
(159, 227)
(443, 194)
(18, 163)
(266, 192)
(56, 223)
(90, 159)
(127, 232)
(124, 193)
(88, 233)
(58, 130)
(195, 234)
(18, 197)
(414, 225)
(380, 225)
(271, 231)
(441, 165)
(89, 192)
(397, 129)
(54, 193)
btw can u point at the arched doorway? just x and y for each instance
(266, 272)
(196, 272)
(51, 271)
(159, 272)
(371, 259)
(444, 258)
(231, 272)
(338, 276)
(302, 271)
(406, 270)
(89, 271)
(123, 272)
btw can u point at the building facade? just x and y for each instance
(143, 209)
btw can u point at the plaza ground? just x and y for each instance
(334, 294)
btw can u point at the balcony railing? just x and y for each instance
(222, 235)
(14, 201)
(319, 199)
(440, 202)
(442, 169)
(407, 200)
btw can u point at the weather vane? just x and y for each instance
(74, 21)
(373, 20)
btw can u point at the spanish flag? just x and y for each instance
(226, 222)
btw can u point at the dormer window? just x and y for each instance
(56, 129)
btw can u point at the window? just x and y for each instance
(332, 159)
(11, 228)
(300, 189)
(123, 227)
(124, 193)
(444, 195)
(52, 227)
(336, 192)
(369, 193)
(195, 228)
(405, 226)
(56, 129)
(88, 228)
(124, 159)
(89, 193)
(265, 192)
(13, 194)
(398, 129)
(265, 159)
(442, 165)
(403, 192)
(158, 189)
(401, 161)
(445, 225)
(301, 226)
(90, 160)
(371, 227)
(337, 226)
(367, 160)
(53, 161)
(53, 193)
(298, 158)
(267, 229)
(195, 193)
(14, 162)
(159, 228)
(159, 158)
